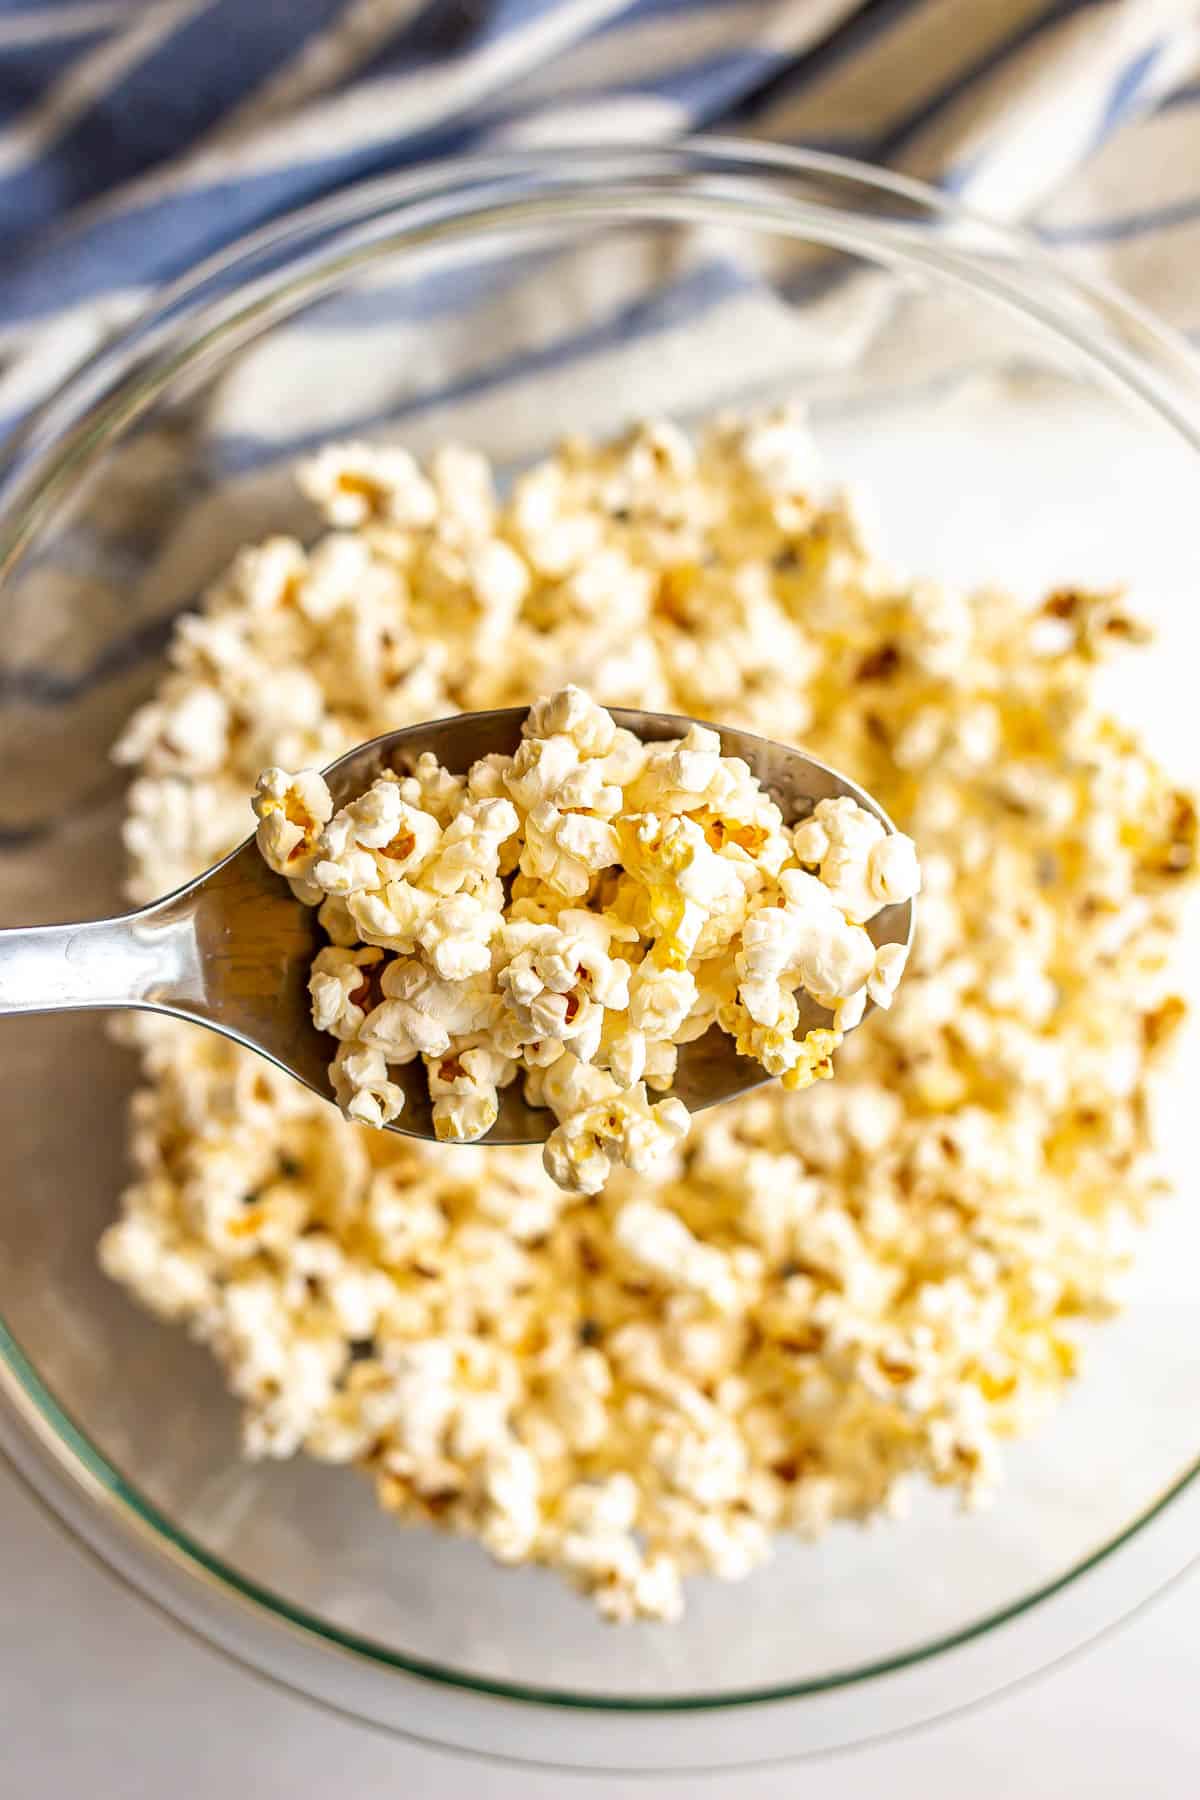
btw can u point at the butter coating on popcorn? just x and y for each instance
(832, 1292)
(682, 864)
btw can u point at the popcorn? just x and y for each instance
(540, 974)
(338, 983)
(539, 769)
(780, 451)
(392, 919)
(863, 866)
(352, 483)
(360, 1081)
(559, 985)
(626, 1129)
(570, 1085)
(831, 1293)
(678, 774)
(456, 936)
(414, 837)
(684, 881)
(627, 1057)
(433, 789)
(566, 850)
(354, 872)
(660, 999)
(291, 810)
(660, 1244)
(468, 855)
(574, 715)
(893, 875)
(461, 1118)
(185, 730)
(421, 1011)
(884, 978)
(587, 790)
(660, 1063)
(463, 1087)
(511, 1513)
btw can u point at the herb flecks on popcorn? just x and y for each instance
(825, 1295)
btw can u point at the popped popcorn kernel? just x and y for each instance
(291, 811)
(626, 1129)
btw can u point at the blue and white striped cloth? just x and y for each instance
(139, 136)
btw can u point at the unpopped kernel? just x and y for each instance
(821, 1295)
(488, 983)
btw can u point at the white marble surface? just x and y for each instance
(99, 1695)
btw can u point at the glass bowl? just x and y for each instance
(1014, 425)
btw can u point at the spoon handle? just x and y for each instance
(141, 960)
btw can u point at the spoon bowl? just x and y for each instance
(232, 950)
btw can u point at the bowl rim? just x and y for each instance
(1148, 362)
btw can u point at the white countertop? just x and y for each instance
(101, 1696)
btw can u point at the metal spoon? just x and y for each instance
(232, 949)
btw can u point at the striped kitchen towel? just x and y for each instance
(139, 136)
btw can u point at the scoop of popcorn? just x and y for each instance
(687, 867)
